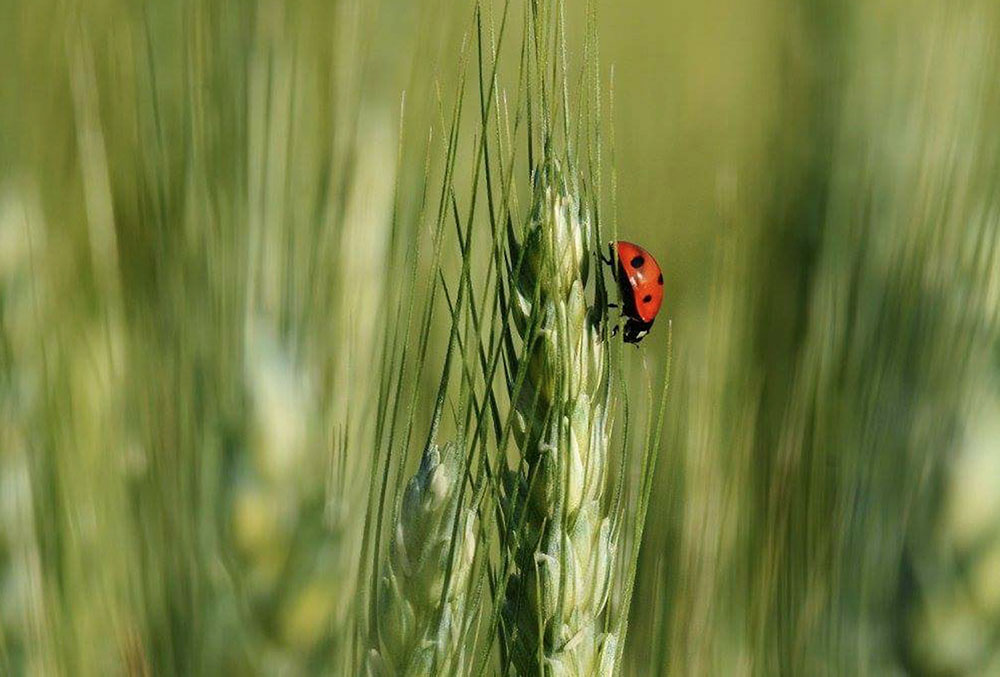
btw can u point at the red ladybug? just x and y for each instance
(640, 282)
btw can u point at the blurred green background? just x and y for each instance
(201, 208)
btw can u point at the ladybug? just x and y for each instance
(640, 283)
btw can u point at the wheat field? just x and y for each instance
(307, 364)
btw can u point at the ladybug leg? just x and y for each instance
(610, 258)
(614, 331)
(612, 305)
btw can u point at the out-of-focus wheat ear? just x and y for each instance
(419, 624)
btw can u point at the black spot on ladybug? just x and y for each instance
(659, 280)
(637, 261)
(647, 298)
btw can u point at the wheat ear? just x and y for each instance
(419, 631)
(564, 551)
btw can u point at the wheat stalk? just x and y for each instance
(419, 630)
(565, 551)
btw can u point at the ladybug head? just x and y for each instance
(635, 330)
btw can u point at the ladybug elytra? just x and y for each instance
(640, 283)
